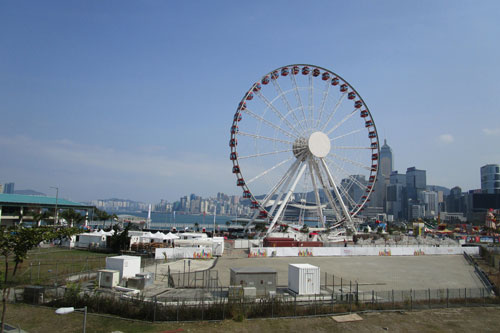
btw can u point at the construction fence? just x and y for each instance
(217, 306)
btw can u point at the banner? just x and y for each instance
(263, 252)
(183, 253)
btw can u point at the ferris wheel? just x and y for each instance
(304, 148)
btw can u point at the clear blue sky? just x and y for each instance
(134, 99)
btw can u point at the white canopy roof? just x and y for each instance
(171, 236)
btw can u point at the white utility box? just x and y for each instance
(108, 278)
(128, 266)
(304, 279)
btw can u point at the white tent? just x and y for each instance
(171, 236)
(160, 236)
(147, 237)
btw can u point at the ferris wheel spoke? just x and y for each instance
(269, 170)
(352, 180)
(311, 100)
(335, 189)
(266, 154)
(282, 95)
(350, 147)
(344, 192)
(326, 92)
(297, 96)
(348, 160)
(277, 112)
(255, 136)
(346, 118)
(270, 124)
(347, 134)
(335, 109)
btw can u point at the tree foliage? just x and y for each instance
(120, 240)
(15, 242)
(45, 215)
(103, 216)
(72, 217)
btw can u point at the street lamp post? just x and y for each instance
(56, 216)
(63, 311)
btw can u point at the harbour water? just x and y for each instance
(168, 220)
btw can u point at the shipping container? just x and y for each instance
(304, 279)
(128, 266)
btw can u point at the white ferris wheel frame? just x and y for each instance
(310, 150)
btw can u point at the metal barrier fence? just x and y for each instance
(49, 272)
(207, 279)
(216, 306)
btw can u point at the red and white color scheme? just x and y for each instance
(303, 138)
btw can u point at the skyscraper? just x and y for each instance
(416, 181)
(8, 188)
(490, 178)
(386, 165)
(386, 160)
(396, 195)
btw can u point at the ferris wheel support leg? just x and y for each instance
(327, 191)
(252, 220)
(287, 176)
(316, 194)
(350, 224)
(287, 197)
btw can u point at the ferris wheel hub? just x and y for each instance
(319, 144)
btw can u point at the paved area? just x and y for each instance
(372, 273)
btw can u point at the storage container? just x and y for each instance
(128, 266)
(108, 278)
(304, 279)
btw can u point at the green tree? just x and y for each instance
(120, 240)
(15, 242)
(103, 216)
(72, 217)
(38, 217)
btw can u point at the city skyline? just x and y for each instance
(136, 100)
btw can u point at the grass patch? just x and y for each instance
(54, 264)
(42, 319)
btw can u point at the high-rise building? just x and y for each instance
(397, 178)
(386, 165)
(386, 160)
(395, 200)
(430, 201)
(8, 188)
(490, 178)
(455, 201)
(416, 182)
